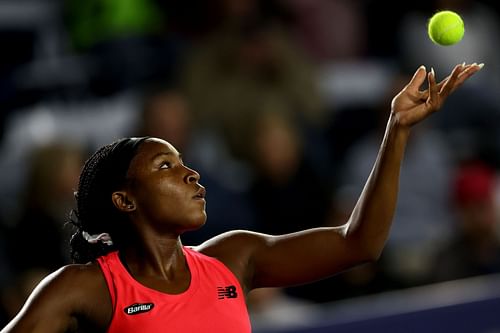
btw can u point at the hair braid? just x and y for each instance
(102, 174)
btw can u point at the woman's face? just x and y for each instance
(166, 194)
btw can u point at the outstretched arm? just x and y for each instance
(317, 253)
(372, 216)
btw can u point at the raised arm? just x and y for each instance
(267, 261)
(370, 221)
(64, 301)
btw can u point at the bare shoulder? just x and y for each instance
(78, 281)
(94, 308)
(233, 243)
(236, 250)
(73, 296)
(76, 273)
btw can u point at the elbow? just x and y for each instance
(373, 250)
(367, 248)
(367, 254)
(373, 255)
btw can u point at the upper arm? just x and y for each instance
(57, 303)
(261, 260)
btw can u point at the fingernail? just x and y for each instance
(422, 67)
(481, 65)
(463, 64)
(432, 72)
(474, 64)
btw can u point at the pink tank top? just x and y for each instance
(214, 301)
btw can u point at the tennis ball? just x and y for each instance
(446, 28)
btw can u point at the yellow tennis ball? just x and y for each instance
(446, 28)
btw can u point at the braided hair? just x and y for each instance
(103, 173)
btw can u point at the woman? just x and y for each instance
(135, 199)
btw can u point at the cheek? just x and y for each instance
(179, 208)
(169, 201)
(154, 197)
(166, 197)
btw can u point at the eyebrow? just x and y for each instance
(167, 154)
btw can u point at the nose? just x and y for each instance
(192, 176)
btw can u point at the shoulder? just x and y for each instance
(83, 286)
(71, 296)
(83, 276)
(68, 277)
(237, 242)
(88, 288)
(236, 249)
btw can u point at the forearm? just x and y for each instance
(371, 219)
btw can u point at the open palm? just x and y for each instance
(412, 105)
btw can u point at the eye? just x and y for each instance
(165, 165)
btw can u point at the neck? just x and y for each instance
(157, 256)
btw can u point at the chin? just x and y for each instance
(197, 223)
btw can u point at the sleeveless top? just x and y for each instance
(213, 302)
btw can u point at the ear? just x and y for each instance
(123, 202)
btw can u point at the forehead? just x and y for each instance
(155, 145)
(152, 148)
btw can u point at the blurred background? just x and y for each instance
(281, 106)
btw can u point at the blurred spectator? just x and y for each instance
(475, 249)
(37, 241)
(89, 123)
(46, 201)
(166, 114)
(287, 194)
(330, 30)
(244, 66)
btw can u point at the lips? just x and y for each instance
(200, 195)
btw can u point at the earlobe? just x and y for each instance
(122, 201)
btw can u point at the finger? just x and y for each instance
(433, 98)
(469, 71)
(443, 82)
(417, 80)
(449, 85)
(466, 73)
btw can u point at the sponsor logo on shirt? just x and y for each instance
(138, 308)
(227, 292)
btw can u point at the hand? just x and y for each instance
(412, 105)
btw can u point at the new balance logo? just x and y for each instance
(227, 292)
(138, 308)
